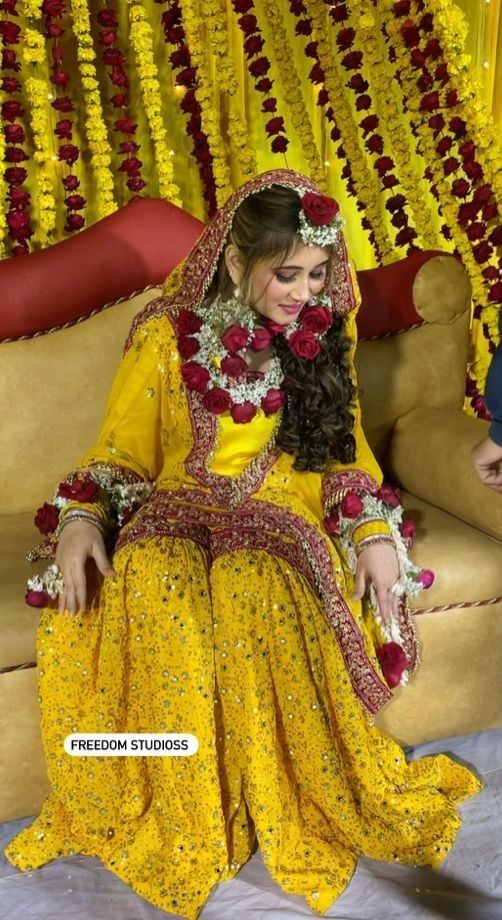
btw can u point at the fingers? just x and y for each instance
(360, 583)
(101, 559)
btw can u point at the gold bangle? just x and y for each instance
(372, 541)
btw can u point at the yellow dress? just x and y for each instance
(229, 617)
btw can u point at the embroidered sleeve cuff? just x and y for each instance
(366, 529)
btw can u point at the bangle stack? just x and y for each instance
(372, 541)
(79, 514)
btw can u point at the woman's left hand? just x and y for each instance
(378, 564)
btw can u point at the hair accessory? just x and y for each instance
(320, 219)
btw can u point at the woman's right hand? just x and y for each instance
(79, 541)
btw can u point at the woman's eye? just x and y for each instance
(317, 276)
(285, 278)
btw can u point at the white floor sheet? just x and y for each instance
(468, 886)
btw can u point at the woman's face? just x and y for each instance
(279, 292)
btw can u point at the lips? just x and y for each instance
(291, 308)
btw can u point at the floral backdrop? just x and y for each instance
(379, 102)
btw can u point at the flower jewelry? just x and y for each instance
(353, 513)
(320, 220)
(220, 371)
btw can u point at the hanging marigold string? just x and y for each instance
(18, 217)
(96, 128)
(141, 41)
(194, 26)
(113, 60)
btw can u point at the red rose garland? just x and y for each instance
(258, 66)
(186, 76)
(113, 60)
(18, 217)
(68, 152)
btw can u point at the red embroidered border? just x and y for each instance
(334, 485)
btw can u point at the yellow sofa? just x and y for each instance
(53, 389)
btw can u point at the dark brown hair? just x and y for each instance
(317, 420)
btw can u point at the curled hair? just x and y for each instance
(317, 421)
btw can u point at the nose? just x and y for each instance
(301, 289)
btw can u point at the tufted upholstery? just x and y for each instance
(52, 393)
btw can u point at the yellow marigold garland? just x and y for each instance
(193, 24)
(45, 202)
(96, 128)
(364, 181)
(292, 89)
(366, 31)
(141, 41)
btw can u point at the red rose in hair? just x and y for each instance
(320, 209)
(393, 662)
(235, 337)
(243, 412)
(188, 322)
(272, 401)
(81, 490)
(389, 495)
(46, 518)
(217, 400)
(234, 366)
(195, 376)
(304, 344)
(316, 319)
(188, 346)
(332, 523)
(36, 598)
(352, 505)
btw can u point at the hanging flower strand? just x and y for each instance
(113, 59)
(186, 77)
(193, 26)
(258, 66)
(141, 41)
(96, 128)
(18, 217)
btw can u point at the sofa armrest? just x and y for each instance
(429, 455)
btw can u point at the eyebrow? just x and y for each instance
(300, 267)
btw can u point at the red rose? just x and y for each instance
(450, 165)
(339, 13)
(473, 170)
(11, 109)
(332, 523)
(273, 328)
(259, 67)
(80, 490)
(63, 104)
(406, 235)
(429, 102)
(316, 319)
(36, 598)
(53, 7)
(195, 376)
(303, 27)
(317, 74)
(69, 153)
(128, 147)
(402, 7)
(243, 412)
(11, 85)
(264, 85)
(261, 338)
(242, 6)
(496, 236)
(410, 33)
(476, 231)
(135, 183)
(352, 505)
(358, 83)
(272, 401)
(9, 32)
(320, 209)
(304, 344)
(15, 175)
(395, 203)
(14, 134)
(393, 662)
(310, 50)
(345, 38)
(483, 194)
(19, 223)
(235, 337)
(180, 57)
(234, 366)
(363, 102)
(274, 125)
(248, 23)
(75, 202)
(253, 45)
(125, 125)
(390, 496)
(46, 518)
(74, 222)
(19, 197)
(279, 144)
(188, 322)
(188, 346)
(482, 252)
(217, 400)
(131, 165)
(426, 578)
(407, 530)
(495, 295)
(64, 128)
(71, 183)
(467, 150)
(107, 19)
(15, 155)
(353, 60)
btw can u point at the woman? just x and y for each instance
(234, 610)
